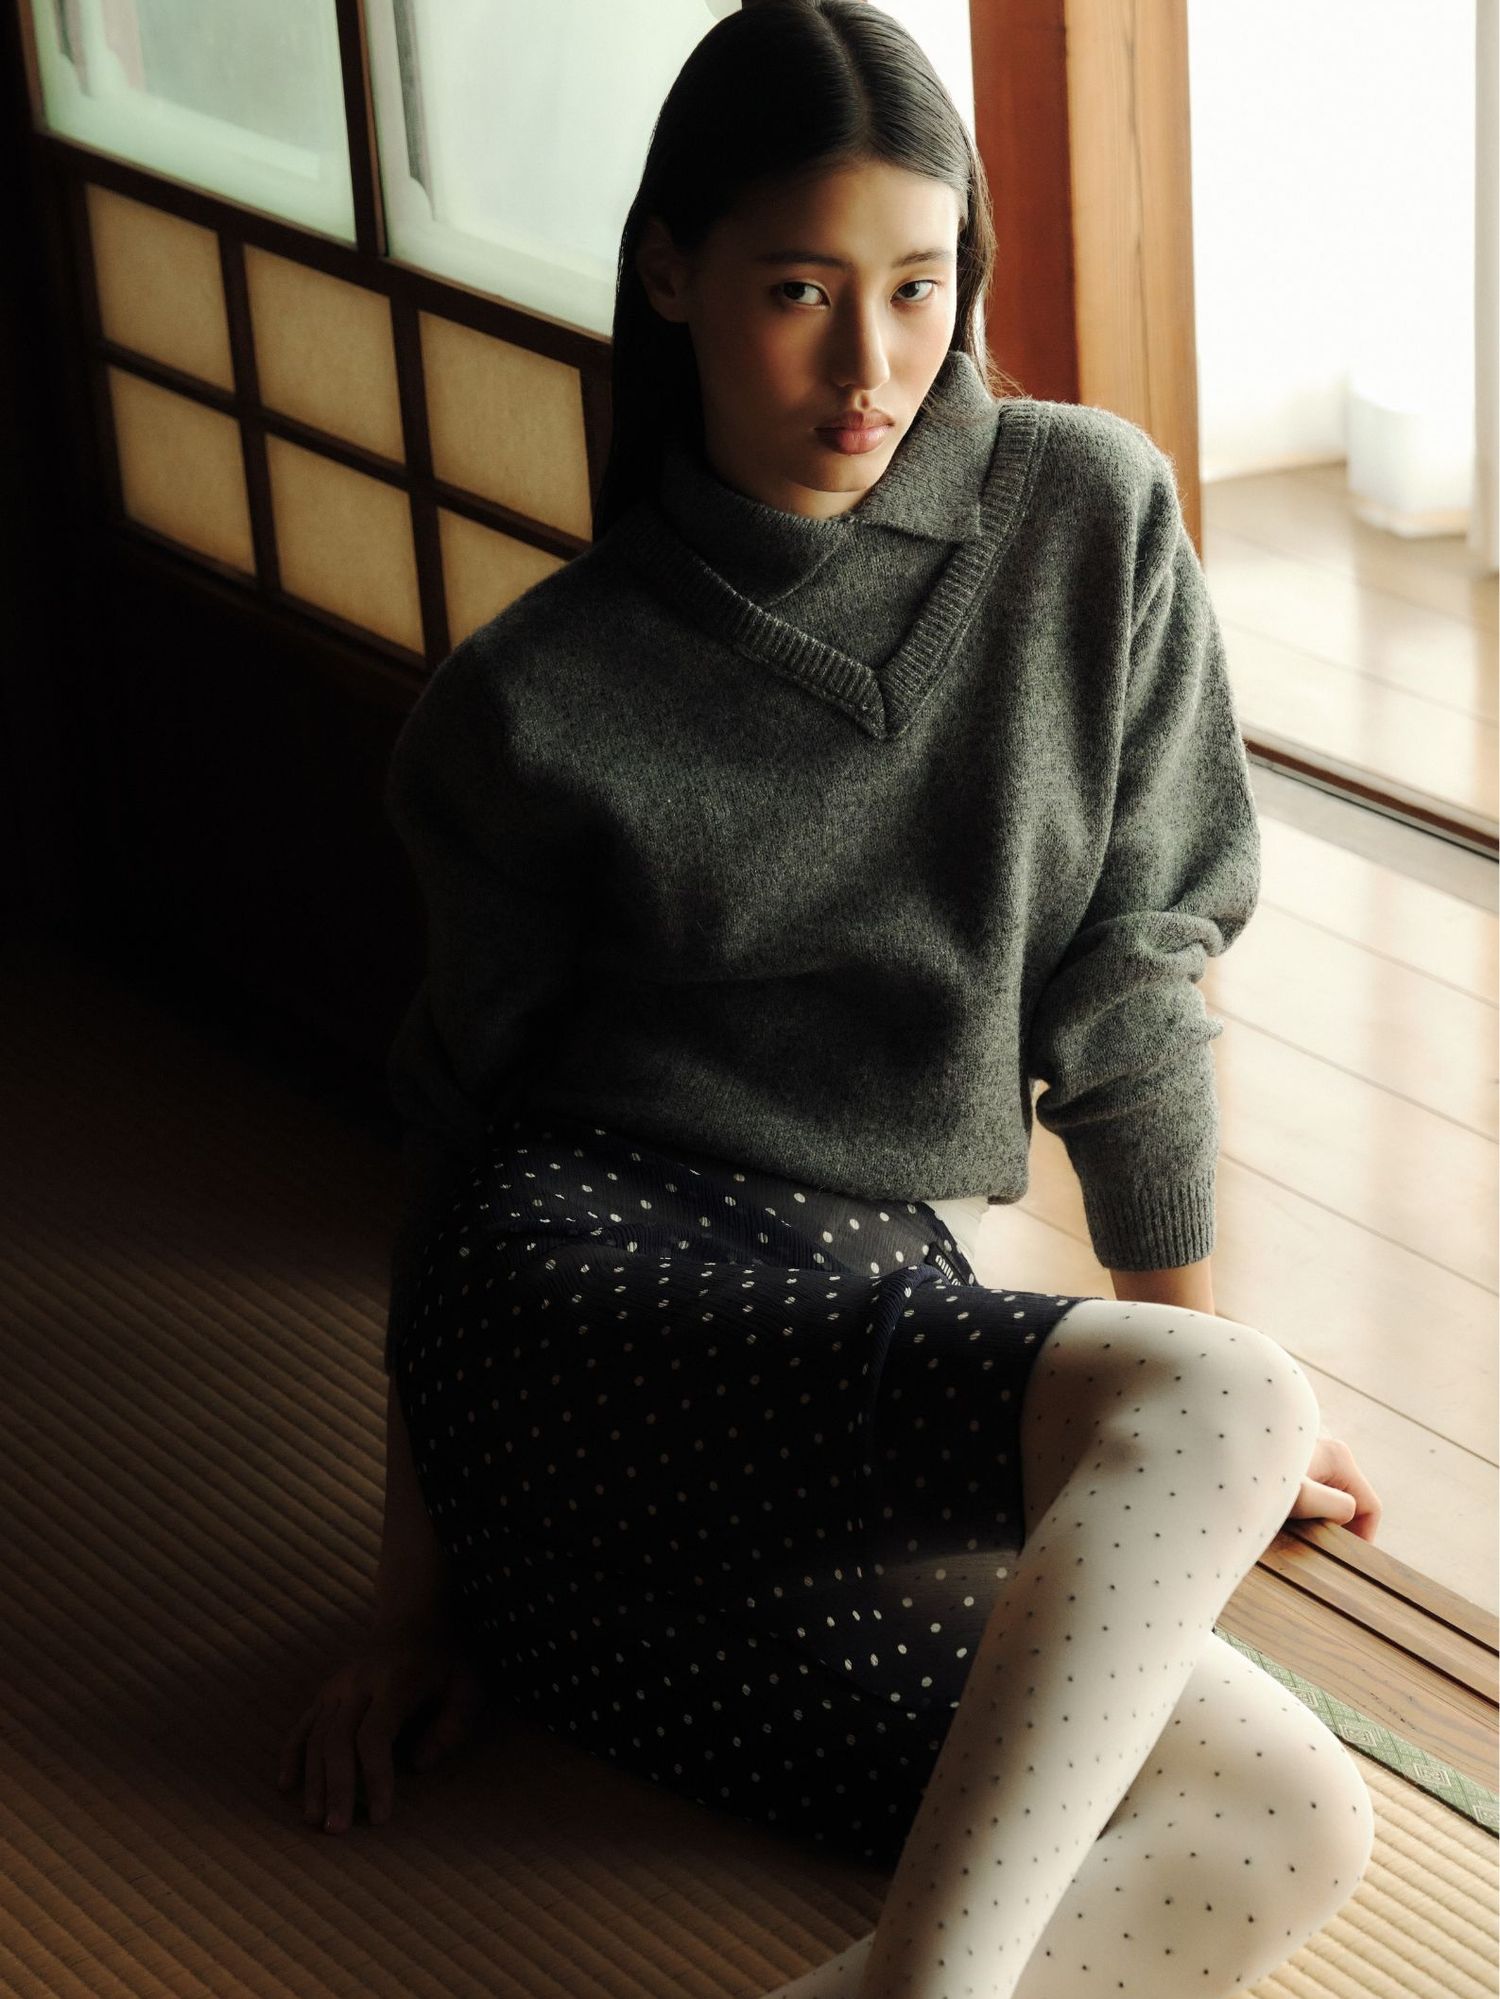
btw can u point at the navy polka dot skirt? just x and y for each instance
(726, 1466)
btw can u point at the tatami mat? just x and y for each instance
(194, 1281)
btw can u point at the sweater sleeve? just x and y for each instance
(497, 859)
(1121, 1032)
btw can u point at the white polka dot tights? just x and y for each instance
(1123, 1803)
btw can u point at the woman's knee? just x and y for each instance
(1273, 1406)
(1229, 1394)
(1272, 1807)
(1293, 1784)
(1345, 1836)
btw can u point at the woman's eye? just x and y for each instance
(806, 285)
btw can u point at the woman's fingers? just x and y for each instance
(349, 1731)
(1334, 1488)
(339, 1763)
(1344, 1474)
(312, 1785)
(1317, 1501)
(374, 1739)
(291, 1749)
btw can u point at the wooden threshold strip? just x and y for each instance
(1372, 1631)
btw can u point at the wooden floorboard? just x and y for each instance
(1373, 650)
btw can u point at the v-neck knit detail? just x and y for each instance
(931, 493)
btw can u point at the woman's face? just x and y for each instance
(832, 295)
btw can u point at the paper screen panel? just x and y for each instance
(484, 571)
(161, 292)
(243, 97)
(507, 424)
(182, 471)
(344, 542)
(324, 352)
(511, 135)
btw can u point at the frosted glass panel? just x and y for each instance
(324, 352)
(484, 571)
(344, 541)
(507, 424)
(181, 469)
(161, 290)
(512, 135)
(244, 97)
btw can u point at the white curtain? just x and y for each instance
(1344, 250)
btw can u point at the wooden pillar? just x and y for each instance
(1081, 118)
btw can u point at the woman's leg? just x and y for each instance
(1247, 1827)
(1162, 1449)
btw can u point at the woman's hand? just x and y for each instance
(1334, 1488)
(350, 1727)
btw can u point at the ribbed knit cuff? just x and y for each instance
(1156, 1227)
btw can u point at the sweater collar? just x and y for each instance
(930, 489)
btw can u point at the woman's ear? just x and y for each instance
(662, 270)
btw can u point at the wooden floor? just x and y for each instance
(1357, 1068)
(1371, 653)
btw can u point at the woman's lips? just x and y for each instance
(853, 439)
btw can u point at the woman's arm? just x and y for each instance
(411, 1580)
(1120, 1032)
(1189, 1284)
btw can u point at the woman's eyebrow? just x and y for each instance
(842, 263)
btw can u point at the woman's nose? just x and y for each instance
(859, 358)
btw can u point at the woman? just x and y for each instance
(876, 759)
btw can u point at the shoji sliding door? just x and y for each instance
(332, 288)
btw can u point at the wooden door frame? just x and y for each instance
(1081, 117)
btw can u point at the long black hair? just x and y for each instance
(778, 89)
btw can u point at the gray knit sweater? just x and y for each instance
(812, 845)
